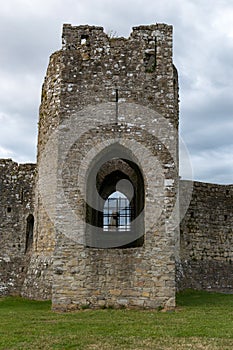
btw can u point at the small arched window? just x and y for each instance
(117, 213)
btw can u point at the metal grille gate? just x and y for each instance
(117, 214)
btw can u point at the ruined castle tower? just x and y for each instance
(106, 194)
(96, 221)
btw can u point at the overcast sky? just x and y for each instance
(30, 30)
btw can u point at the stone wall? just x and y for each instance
(207, 238)
(37, 282)
(16, 211)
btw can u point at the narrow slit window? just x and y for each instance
(29, 232)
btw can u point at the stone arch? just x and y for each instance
(114, 169)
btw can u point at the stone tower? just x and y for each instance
(106, 208)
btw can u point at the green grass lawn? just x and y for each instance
(201, 321)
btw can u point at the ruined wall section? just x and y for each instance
(48, 122)
(16, 207)
(50, 102)
(140, 67)
(207, 238)
(38, 281)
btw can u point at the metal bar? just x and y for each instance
(116, 106)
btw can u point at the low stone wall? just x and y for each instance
(206, 238)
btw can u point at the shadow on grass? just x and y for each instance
(192, 298)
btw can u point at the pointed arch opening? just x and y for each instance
(115, 201)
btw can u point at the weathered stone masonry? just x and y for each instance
(207, 238)
(16, 213)
(89, 69)
(90, 141)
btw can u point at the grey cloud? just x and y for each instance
(203, 54)
(210, 169)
